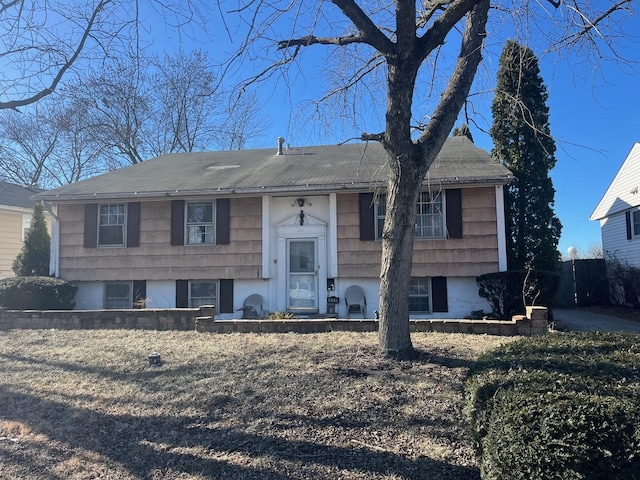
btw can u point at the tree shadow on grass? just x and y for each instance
(143, 445)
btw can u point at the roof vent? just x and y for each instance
(280, 143)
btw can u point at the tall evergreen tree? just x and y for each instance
(522, 140)
(34, 257)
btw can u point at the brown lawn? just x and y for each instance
(87, 404)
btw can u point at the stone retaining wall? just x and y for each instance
(202, 320)
(143, 319)
(535, 323)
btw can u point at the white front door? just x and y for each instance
(302, 275)
(301, 265)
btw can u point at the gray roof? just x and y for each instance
(256, 172)
(13, 195)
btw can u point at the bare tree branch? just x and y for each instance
(312, 40)
(14, 104)
(372, 34)
(460, 81)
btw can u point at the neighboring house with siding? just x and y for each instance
(619, 212)
(295, 226)
(16, 209)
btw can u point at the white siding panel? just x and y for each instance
(624, 190)
(614, 240)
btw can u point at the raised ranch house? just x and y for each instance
(16, 209)
(282, 229)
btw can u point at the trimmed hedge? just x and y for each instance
(504, 290)
(37, 293)
(557, 407)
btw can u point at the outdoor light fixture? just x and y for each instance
(300, 201)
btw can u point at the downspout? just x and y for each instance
(501, 227)
(54, 246)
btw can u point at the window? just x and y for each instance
(26, 223)
(203, 293)
(111, 222)
(117, 295)
(200, 223)
(636, 223)
(419, 295)
(429, 217)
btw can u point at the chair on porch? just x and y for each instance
(253, 306)
(356, 301)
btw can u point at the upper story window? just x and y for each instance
(111, 225)
(429, 219)
(26, 223)
(200, 219)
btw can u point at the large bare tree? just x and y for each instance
(26, 145)
(410, 40)
(40, 42)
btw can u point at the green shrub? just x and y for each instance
(37, 293)
(506, 291)
(557, 407)
(33, 259)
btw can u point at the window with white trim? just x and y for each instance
(26, 224)
(111, 225)
(117, 295)
(419, 295)
(203, 293)
(635, 219)
(429, 215)
(200, 223)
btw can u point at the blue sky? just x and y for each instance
(594, 116)
(594, 110)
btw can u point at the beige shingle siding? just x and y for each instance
(156, 259)
(474, 254)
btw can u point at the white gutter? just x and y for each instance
(284, 190)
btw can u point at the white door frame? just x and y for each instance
(290, 229)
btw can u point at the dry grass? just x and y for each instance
(86, 404)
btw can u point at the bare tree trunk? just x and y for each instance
(403, 187)
(397, 258)
(409, 162)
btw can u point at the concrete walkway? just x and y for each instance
(580, 321)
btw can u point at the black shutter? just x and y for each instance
(177, 222)
(627, 216)
(454, 212)
(225, 302)
(139, 290)
(182, 293)
(223, 219)
(367, 217)
(133, 224)
(91, 225)
(439, 301)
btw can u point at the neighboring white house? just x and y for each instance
(296, 226)
(619, 212)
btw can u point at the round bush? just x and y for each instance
(558, 407)
(37, 293)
